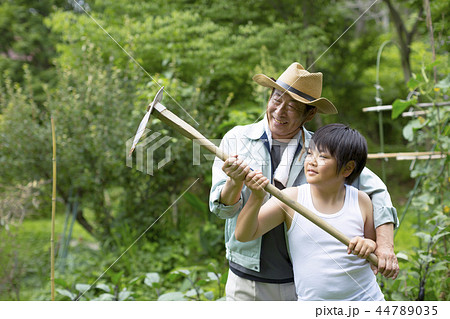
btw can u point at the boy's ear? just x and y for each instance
(348, 168)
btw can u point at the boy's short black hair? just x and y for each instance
(345, 144)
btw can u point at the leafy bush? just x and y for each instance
(424, 272)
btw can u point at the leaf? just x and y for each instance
(61, 282)
(209, 295)
(410, 128)
(440, 266)
(151, 278)
(134, 280)
(424, 236)
(211, 267)
(186, 284)
(444, 84)
(172, 296)
(115, 277)
(439, 236)
(124, 295)
(196, 202)
(66, 293)
(402, 256)
(426, 258)
(105, 297)
(82, 287)
(191, 293)
(413, 84)
(103, 287)
(224, 278)
(429, 67)
(184, 272)
(212, 276)
(202, 282)
(400, 105)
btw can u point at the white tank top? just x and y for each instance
(322, 268)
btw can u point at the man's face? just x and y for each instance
(286, 115)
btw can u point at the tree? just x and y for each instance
(405, 37)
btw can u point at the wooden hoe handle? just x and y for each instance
(187, 130)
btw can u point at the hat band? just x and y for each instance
(293, 90)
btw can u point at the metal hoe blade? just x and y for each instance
(144, 121)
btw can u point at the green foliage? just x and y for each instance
(94, 71)
(27, 41)
(201, 282)
(98, 292)
(424, 272)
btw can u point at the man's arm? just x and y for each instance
(236, 171)
(383, 210)
(385, 218)
(387, 261)
(226, 197)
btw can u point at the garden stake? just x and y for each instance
(187, 130)
(52, 236)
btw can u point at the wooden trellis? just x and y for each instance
(404, 155)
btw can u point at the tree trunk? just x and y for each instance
(84, 223)
(404, 38)
(426, 4)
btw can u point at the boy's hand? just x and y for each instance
(362, 247)
(256, 181)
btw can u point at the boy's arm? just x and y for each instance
(254, 221)
(367, 210)
(363, 247)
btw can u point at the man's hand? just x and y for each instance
(387, 261)
(236, 169)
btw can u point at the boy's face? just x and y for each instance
(320, 167)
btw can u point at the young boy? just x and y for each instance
(323, 268)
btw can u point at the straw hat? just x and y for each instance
(301, 85)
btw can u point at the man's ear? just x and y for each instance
(311, 114)
(348, 168)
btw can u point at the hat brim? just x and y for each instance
(323, 105)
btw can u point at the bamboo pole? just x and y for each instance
(52, 236)
(405, 154)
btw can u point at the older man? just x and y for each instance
(261, 269)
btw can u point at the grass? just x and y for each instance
(32, 263)
(405, 239)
